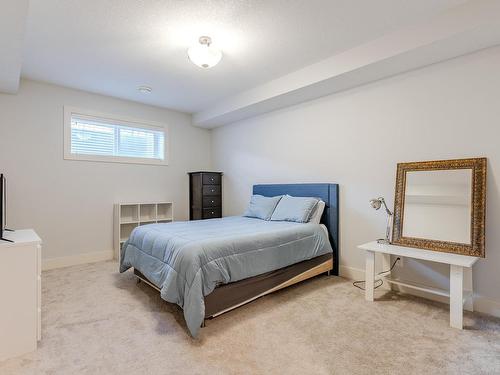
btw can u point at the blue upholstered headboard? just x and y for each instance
(329, 193)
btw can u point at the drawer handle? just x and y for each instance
(213, 212)
(213, 190)
(212, 201)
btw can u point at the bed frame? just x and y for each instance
(230, 296)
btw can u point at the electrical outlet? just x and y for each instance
(400, 263)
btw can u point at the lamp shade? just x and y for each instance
(203, 54)
(376, 203)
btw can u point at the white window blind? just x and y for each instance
(115, 140)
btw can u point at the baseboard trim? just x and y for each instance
(481, 304)
(487, 306)
(351, 273)
(73, 260)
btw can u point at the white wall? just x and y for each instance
(356, 138)
(70, 203)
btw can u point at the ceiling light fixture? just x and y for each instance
(144, 89)
(204, 55)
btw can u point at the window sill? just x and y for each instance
(115, 159)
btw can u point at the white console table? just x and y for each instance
(460, 266)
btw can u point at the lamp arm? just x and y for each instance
(385, 206)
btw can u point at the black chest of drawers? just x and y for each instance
(205, 195)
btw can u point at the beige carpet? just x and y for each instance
(96, 321)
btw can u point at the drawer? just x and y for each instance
(211, 190)
(210, 213)
(211, 201)
(211, 179)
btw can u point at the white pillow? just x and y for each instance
(317, 213)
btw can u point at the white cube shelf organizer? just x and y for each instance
(131, 215)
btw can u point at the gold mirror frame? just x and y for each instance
(478, 214)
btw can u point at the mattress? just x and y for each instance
(188, 260)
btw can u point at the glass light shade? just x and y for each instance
(204, 55)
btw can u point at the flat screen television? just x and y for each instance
(3, 207)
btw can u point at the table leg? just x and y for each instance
(469, 301)
(369, 275)
(386, 265)
(456, 296)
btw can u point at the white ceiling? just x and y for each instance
(464, 29)
(12, 25)
(113, 46)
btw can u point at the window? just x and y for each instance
(106, 138)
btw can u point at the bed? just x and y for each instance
(209, 267)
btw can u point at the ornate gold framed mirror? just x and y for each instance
(441, 206)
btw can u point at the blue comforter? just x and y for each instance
(188, 259)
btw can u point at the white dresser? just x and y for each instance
(20, 293)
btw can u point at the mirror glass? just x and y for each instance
(437, 205)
